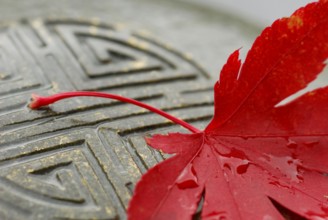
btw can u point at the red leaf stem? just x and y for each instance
(40, 101)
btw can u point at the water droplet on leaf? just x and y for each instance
(216, 216)
(227, 166)
(187, 178)
(268, 217)
(324, 208)
(279, 184)
(235, 160)
(288, 166)
(311, 143)
(318, 216)
(243, 168)
(291, 144)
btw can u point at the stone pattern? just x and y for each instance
(81, 158)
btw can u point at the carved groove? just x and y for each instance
(80, 159)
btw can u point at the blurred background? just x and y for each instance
(259, 12)
(206, 30)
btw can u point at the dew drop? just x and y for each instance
(227, 167)
(278, 184)
(237, 154)
(311, 143)
(245, 138)
(318, 216)
(291, 144)
(268, 217)
(187, 178)
(324, 208)
(235, 161)
(243, 168)
(288, 166)
(326, 197)
(216, 216)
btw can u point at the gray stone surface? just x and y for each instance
(208, 35)
(260, 13)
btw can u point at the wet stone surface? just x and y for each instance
(81, 158)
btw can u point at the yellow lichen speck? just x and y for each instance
(295, 22)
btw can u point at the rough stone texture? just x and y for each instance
(206, 34)
(81, 158)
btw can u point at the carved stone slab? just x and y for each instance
(81, 158)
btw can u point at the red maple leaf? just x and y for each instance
(256, 152)
(253, 152)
